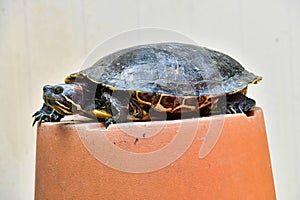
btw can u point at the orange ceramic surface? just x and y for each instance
(223, 157)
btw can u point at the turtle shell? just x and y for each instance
(171, 68)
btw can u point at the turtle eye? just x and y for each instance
(58, 90)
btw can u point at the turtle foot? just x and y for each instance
(46, 114)
(239, 103)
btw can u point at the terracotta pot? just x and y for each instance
(222, 157)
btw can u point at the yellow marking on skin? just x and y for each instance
(145, 117)
(73, 103)
(101, 114)
(61, 110)
(98, 113)
(61, 105)
(57, 108)
(66, 111)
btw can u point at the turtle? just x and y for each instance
(141, 82)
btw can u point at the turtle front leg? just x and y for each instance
(239, 103)
(118, 111)
(46, 114)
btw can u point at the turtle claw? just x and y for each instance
(37, 118)
(46, 114)
(231, 109)
(109, 121)
(239, 103)
(241, 108)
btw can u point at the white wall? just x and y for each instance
(43, 41)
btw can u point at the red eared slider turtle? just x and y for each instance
(173, 78)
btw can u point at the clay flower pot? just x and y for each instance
(220, 157)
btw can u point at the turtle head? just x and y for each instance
(63, 98)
